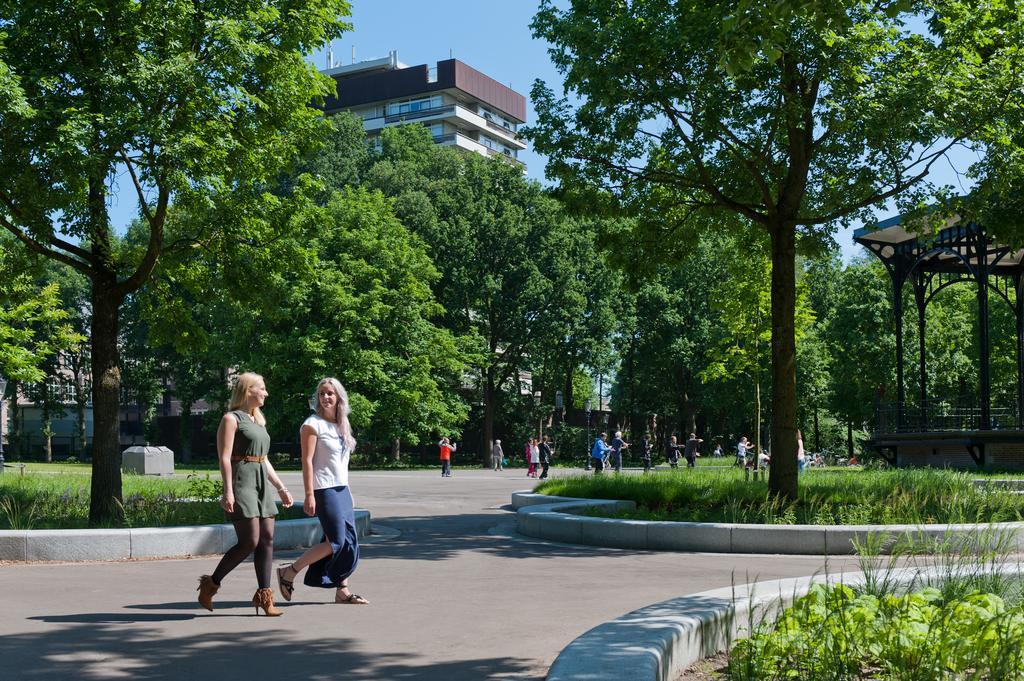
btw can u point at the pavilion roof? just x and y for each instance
(950, 247)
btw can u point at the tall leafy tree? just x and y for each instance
(184, 99)
(355, 302)
(787, 118)
(501, 246)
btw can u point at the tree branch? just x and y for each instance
(53, 240)
(39, 248)
(153, 249)
(707, 184)
(731, 143)
(138, 186)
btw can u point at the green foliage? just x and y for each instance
(836, 633)
(519, 281)
(346, 294)
(788, 118)
(829, 497)
(33, 324)
(200, 105)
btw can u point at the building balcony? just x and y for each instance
(457, 139)
(450, 112)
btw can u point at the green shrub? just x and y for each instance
(836, 633)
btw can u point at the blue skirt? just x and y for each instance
(337, 517)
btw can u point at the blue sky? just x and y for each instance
(492, 37)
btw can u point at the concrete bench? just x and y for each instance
(19, 466)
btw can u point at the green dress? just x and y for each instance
(254, 494)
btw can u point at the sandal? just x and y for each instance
(285, 586)
(352, 599)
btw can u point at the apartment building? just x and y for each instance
(461, 106)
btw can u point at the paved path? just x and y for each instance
(457, 596)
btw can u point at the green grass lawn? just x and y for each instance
(60, 500)
(826, 497)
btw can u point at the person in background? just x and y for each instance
(618, 444)
(599, 452)
(672, 452)
(546, 454)
(497, 456)
(718, 453)
(447, 447)
(645, 452)
(801, 456)
(741, 451)
(692, 450)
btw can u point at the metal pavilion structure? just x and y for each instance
(926, 430)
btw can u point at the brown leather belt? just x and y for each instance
(250, 459)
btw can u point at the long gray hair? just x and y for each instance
(341, 410)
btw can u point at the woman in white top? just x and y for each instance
(534, 456)
(327, 444)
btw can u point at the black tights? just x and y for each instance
(255, 535)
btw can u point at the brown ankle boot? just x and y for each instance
(207, 589)
(264, 598)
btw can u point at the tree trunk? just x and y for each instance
(105, 503)
(568, 397)
(488, 443)
(14, 448)
(757, 415)
(80, 426)
(817, 433)
(783, 480)
(396, 450)
(185, 431)
(48, 439)
(849, 440)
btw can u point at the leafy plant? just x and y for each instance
(826, 497)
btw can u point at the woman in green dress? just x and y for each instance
(249, 483)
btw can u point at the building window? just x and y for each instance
(497, 119)
(436, 129)
(413, 105)
(495, 145)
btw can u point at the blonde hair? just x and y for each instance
(341, 411)
(240, 393)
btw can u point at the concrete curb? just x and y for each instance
(152, 542)
(659, 642)
(548, 517)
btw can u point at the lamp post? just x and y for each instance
(560, 408)
(3, 389)
(586, 408)
(540, 419)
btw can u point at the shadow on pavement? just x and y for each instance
(100, 647)
(439, 537)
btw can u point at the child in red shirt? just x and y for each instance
(447, 447)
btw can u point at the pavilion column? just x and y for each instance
(1018, 310)
(984, 379)
(897, 308)
(921, 298)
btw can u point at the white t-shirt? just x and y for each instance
(534, 454)
(330, 458)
